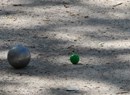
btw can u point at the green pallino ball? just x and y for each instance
(74, 58)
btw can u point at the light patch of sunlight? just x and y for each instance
(124, 57)
(34, 55)
(94, 60)
(18, 21)
(3, 55)
(91, 86)
(105, 2)
(55, 13)
(53, 9)
(66, 36)
(62, 59)
(118, 15)
(119, 44)
(15, 2)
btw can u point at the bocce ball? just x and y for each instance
(19, 56)
(74, 58)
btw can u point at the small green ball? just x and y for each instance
(74, 58)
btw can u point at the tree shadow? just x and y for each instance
(115, 72)
(65, 91)
(34, 3)
(4, 84)
(47, 49)
(7, 13)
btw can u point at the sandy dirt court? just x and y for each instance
(98, 30)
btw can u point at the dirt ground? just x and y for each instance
(98, 30)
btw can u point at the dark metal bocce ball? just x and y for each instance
(19, 56)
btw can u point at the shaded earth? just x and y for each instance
(98, 30)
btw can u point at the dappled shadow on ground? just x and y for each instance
(4, 84)
(115, 72)
(7, 13)
(34, 3)
(65, 91)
